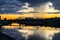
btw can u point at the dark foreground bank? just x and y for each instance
(5, 37)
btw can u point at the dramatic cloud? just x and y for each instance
(45, 7)
(26, 8)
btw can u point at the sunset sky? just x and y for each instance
(14, 6)
(27, 6)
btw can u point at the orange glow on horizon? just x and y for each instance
(32, 15)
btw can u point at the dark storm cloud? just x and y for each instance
(56, 4)
(2, 3)
(33, 2)
(36, 2)
(19, 3)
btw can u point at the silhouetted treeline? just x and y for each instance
(52, 22)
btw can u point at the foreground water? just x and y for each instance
(31, 33)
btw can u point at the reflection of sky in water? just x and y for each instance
(32, 33)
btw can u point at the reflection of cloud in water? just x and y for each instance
(31, 34)
(56, 36)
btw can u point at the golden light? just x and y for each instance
(31, 15)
